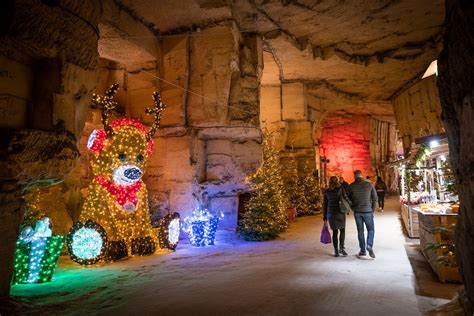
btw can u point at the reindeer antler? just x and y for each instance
(156, 112)
(107, 105)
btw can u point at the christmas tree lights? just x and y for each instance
(265, 217)
(117, 199)
(311, 204)
(37, 253)
(201, 227)
(168, 231)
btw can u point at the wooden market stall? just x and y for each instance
(429, 206)
(437, 241)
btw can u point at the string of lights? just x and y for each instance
(201, 227)
(116, 209)
(37, 253)
(168, 231)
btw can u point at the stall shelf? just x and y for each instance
(436, 228)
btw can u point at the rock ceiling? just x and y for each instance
(349, 53)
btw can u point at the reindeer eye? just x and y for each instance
(140, 158)
(122, 156)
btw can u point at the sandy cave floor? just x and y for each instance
(294, 275)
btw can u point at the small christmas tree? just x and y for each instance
(293, 189)
(311, 202)
(265, 217)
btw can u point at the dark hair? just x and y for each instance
(333, 182)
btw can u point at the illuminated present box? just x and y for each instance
(201, 227)
(35, 261)
(37, 253)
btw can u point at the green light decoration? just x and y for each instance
(26, 254)
(87, 242)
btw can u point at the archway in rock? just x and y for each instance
(328, 70)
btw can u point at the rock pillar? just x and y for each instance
(456, 90)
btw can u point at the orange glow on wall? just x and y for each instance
(346, 143)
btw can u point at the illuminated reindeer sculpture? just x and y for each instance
(115, 214)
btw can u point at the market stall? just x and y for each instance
(429, 206)
(425, 179)
(436, 228)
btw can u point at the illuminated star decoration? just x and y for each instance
(168, 231)
(87, 242)
(201, 227)
(37, 253)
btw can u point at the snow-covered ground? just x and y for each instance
(294, 275)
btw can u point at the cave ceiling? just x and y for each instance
(349, 53)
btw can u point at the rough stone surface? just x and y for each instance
(42, 36)
(12, 209)
(346, 143)
(213, 60)
(418, 111)
(36, 158)
(456, 89)
(294, 105)
(300, 134)
(270, 104)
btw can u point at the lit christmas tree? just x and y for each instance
(265, 217)
(311, 202)
(293, 189)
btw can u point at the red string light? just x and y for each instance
(122, 193)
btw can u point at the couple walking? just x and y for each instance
(362, 198)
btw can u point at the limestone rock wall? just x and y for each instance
(383, 150)
(456, 89)
(48, 75)
(346, 143)
(209, 140)
(285, 113)
(418, 111)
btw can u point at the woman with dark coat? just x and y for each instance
(333, 214)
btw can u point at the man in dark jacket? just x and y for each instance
(364, 198)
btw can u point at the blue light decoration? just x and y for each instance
(201, 227)
(37, 253)
(168, 231)
(87, 242)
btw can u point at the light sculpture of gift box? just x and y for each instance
(37, 253)
(201, 227)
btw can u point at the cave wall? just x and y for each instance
(209, 140)
(284, 112)
(346, 143)
(418, 111)
(383, 150)
(456, 90)
(47, 76)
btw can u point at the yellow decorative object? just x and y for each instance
(117, 198)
